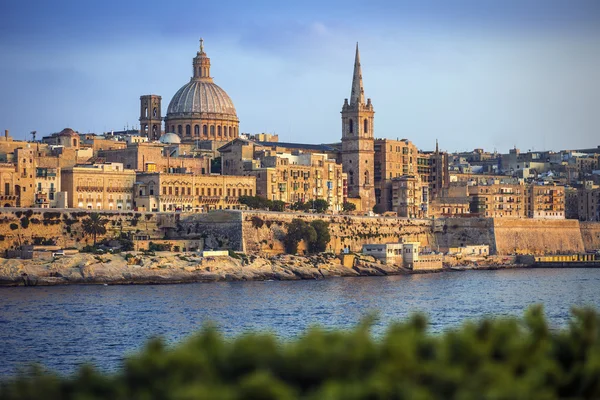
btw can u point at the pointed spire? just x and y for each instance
(358, 95)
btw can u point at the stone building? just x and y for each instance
(47, 187)
(186, 192)
(546, 201)
(288, 177)
(158, 157)
(200, 110)
(357, 141)
(409, 196)
(99, 186)
(392, 159)
(588, 202)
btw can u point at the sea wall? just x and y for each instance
(262, 232)
(590, 233)
(529, 236)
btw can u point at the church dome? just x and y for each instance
(68, 132)
(169, 138)
(201, 96)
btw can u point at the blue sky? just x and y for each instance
(472, 73)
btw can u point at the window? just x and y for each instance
(204, 131)
(350, 126)
(154, 112)
(366, 126)
(179, 130)
(212, 131)
(219, 131)
(188, 130)
(196, 130)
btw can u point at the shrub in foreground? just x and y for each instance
(505, 358)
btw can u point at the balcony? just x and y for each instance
(119, 189)
(209, 199)
(98, 189)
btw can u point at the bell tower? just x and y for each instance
(150, 116)
(357, 141)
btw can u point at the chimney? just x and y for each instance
(6, 134)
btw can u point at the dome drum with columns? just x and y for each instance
(201, 110)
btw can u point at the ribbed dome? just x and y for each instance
(68, 132)
(169, 138)
(201, 96)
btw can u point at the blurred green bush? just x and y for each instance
(495, 358)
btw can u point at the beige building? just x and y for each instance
(47, 187)
(186, 192)
(99, 186)
(410, 196)
(288, 177)
(588, 202)
(546, 201)
(158, 157)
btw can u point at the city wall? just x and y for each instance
(262, 232)
(590, 233)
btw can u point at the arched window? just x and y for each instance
(234, 131)
(219, 131)
(225, 132)
(351, 177)
(188, 130)
(366, 127)
(154, 130)
(146, 112)
(179, 130)
(155, 112)
(204, 131)
(173, 128)
(212, 131)
(350, 126)
(196, 130)
(74, 142)
(366, 177)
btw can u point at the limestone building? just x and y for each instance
(99, 186)
(358, 142)
(200, 110)
(186, 192)
(287, 176)
(409, 196)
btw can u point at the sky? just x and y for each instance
(489, 74)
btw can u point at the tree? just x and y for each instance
(277, 205)
(319, 245)
(320, 205)
(348, 206)
(94, 225)
(215, 165)
(300, 206)
(298, 230)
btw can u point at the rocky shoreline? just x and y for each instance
(170, 268)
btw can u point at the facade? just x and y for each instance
(546, 202)
(47, 187)
(201, 110)
(186, 192)
(99, 186)
(157, 157)
(288, 177)
(358, 155)
(588, 202)
(445, 207)
(392, 159)
(410, 196)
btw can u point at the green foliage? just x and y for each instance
(379, 209)
(300, 206)
(159, 247)
(24, 222)
(320, 205)
(93, 225)
(348, 206)
(261, 203)
(14, 226)
(316, 235)
(321, 228)
(495, 358)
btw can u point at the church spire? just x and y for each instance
(358, 95)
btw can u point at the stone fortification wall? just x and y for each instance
(263, 232)
(218, 229)
(64, 228)
(459, 232)
(590, 233)
(537, 236)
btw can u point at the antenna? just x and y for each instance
(33, 133)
